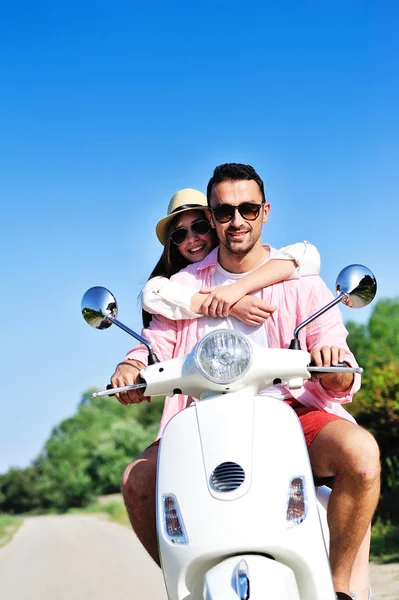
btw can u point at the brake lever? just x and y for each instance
(335, 369)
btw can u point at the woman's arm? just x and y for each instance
(306, 257)
(175, 301)
(219, 300)
(161, 296)
(291, 261)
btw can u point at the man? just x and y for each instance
(337, 447)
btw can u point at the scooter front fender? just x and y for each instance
(267, 579)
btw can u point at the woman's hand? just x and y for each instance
(221, 298)
(252, 310)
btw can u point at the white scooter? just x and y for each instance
(237, 514)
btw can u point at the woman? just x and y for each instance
(188, 238)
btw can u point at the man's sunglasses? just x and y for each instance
(225, 212)
(200, 227)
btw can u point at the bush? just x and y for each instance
(384, 542)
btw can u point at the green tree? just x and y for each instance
(86, 454)
(19, 492)
(376, 405)
(377, 342)
(116, 449)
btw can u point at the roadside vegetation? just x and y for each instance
(384, 542)
(114, 509)
(8, 527)
(85, 454)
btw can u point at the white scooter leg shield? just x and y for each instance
(224, 474)
(265, 578)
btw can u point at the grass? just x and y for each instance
(115, 509)
(384, 542)
(8, 527)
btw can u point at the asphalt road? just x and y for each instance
(385, 581)
(79, 557)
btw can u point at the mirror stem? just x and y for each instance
(152, 357)
(295, 345)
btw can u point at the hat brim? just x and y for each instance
(162, 225)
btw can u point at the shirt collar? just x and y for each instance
(209, 261)
(212, 259)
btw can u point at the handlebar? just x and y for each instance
(342, 367)
(110, 391)
(312, 368)
(335, 369)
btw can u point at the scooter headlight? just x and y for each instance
(223, 356)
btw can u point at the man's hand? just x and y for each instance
(127, 373)
(326, 356)
(252, 310)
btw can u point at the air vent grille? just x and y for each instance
(227, 477)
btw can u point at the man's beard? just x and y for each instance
(240, 247)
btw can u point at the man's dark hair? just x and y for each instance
(234, 172)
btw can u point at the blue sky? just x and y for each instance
(108, 108)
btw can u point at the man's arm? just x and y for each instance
(326, 342)
(162, 336)
(331, 355)
(127, 373)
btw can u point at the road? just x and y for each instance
(80, 557)
(77, 557)
(385, 581)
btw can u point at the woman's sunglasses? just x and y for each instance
(200, 227)
(225, 212)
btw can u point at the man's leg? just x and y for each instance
(351, 454)
(139, 491)
(360, 576)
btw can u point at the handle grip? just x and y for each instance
(111, 391)
(339, 368)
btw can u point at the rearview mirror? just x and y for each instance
(100, 310)
(98, 304)
(356, 285)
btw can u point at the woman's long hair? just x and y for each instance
(170, 262)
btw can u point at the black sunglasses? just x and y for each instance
(225, 212)
(200, 227)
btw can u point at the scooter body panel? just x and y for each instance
(265, 576)
(264, 437)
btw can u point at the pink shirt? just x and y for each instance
(296, 300)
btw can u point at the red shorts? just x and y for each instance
(312, 421)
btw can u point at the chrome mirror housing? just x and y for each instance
(100, 310)
(356, 285)
(98, 304)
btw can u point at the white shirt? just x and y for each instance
(208, 324)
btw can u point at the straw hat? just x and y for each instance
(187, 199)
